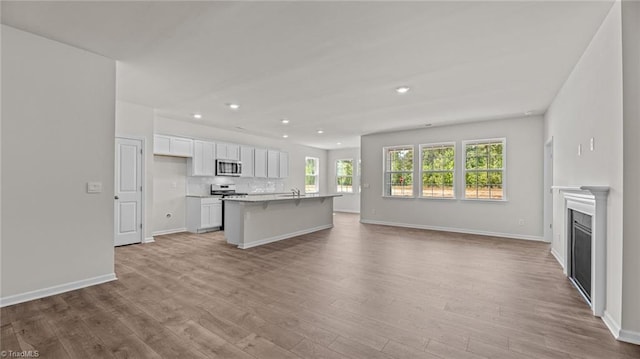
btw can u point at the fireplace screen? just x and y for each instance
(581, 252)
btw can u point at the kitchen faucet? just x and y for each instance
(295, 192)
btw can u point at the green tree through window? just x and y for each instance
(438, 163)
(399, 171)
(344, 176)
(311, 175)
(484, 169)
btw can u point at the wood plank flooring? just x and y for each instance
(354, 291)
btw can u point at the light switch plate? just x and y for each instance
(94, 187)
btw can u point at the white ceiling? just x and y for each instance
(327, 65)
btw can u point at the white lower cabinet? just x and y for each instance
(203, 214)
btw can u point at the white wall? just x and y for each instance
(169, 200)
(136, 121)
(590, 105)
(58, 109)
(631, 124)
(169, 189)
(524, 177)
(349, 202)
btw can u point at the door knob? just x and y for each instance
(116, 197)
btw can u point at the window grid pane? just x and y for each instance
(438, 163)
(344, 176)
(399, 172)
(484, 170)
(311, 175)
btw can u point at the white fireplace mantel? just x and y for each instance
(591, 200)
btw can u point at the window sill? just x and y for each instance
(438, 198)
(399, 197)
(484, 200)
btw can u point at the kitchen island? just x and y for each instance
(256, 220)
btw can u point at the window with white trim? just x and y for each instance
(344, 176)
(484, 169)
(398, 171)
(437, 170)
(311, 184)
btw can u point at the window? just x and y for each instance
(398, 175)
(484, 169)
(438, 167)
(344, 176)
(311, 175)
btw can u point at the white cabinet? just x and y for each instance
(246, 157)
(172, 146)
(203, 161)
(260, 163)
(203, 214)
(227, 151)
(273, 164)
(284, 165)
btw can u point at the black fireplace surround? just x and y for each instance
(581, 252)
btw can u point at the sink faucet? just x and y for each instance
(296, 192)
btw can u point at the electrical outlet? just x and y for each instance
(94, 187)
(521, 222)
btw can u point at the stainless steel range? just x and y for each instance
(226, 191)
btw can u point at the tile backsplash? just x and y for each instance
(202, 185)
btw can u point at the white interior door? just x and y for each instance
(128, 192)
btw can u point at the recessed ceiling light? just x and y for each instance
(285, 136)
(320, 132)
(197, 116)
(233, 106)
(284, 121)
(528, 113)
(403, 89)
(338, 143)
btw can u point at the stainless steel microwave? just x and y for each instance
(228, 168)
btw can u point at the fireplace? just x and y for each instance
(580, 272)
(583, 243)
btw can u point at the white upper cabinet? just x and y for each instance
(273, 164)
(246, 157)
(203, 161)
(284, 165)
(260, 163)
(172, 146)
(227, 151)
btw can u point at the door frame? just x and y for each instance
(143, 170)
(547, 230)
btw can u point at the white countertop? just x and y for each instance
(279, 197)
(205, 195)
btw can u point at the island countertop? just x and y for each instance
(279, 197)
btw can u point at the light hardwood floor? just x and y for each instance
(355, 291)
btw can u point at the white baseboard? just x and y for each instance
(629, 336)
(556, 255)
(57, 289)
(284, 236)
(612, 324)
(169, 231)
(455, 230)
(148, 240)
(346, 210)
